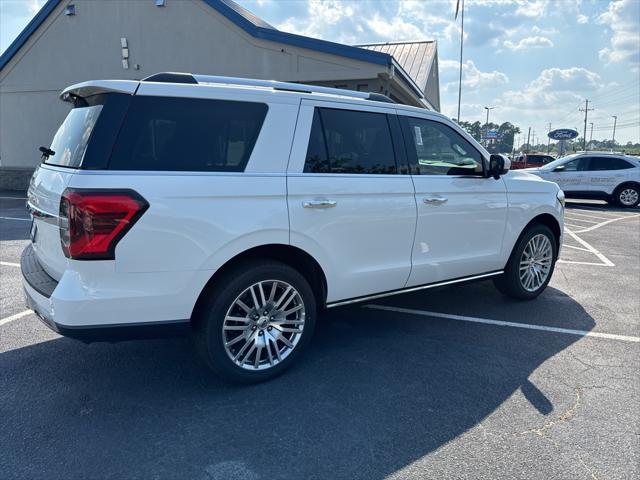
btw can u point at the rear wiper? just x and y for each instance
(46, 153)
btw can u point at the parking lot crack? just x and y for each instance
(564, 417)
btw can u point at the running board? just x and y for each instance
(413, 289)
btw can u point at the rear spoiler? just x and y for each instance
(87, 89)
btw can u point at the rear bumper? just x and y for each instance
(40, 295)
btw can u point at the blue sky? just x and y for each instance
(534, 60)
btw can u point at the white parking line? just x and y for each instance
(15, 218)
(605, 261)
(11, 318)
(598, 211)
(581, 220)
(571, 212)
(602, 224)
(500, 323)
(9, 264)
(572, 225)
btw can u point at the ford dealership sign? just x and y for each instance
(563, 134)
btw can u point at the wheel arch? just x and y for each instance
(295, 257)
(626, 183)
(549, 221)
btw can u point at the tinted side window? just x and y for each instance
(577, 165)
(436, 149)
(345, 141)
(609, 163)
(186, 134)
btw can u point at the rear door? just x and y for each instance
(349, 204)
(461, 214)
(606, 173)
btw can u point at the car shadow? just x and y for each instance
(376, 391)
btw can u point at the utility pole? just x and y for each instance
(591, 134)
(586, 111)
(461, 44)
(613, 138)
(548, 139)
(533, 139)
(528, 138)
(486, 126)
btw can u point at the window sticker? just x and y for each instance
(418, 135)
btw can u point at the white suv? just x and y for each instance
(237, 209)
(600, 175)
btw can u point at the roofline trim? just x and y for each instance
(407, 79)
(293, 39)
(404, 42)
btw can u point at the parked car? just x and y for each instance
(600, 175)
(236, 209)
(531, 160)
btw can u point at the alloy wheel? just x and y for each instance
(263, 325)
(628, 196)
(535, 263)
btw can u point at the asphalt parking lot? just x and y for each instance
(457, 382)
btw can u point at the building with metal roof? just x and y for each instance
(69, 41)
(420, 61)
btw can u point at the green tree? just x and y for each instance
(506, 134)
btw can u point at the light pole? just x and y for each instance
(591, 134)
(613, 138)
(486, 128)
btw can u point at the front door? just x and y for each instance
(461, 214)
(572, 176)
(349, 206)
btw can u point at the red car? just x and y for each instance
(531, 160)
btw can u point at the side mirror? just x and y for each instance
(559, 168)
(497, 166)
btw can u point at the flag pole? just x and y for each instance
(461, 44)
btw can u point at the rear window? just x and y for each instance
(70, 141)
(345, 141)
(186, 134)
(609, 163)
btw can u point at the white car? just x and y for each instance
(600, 175)
(237, 209)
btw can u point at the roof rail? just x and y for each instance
(174, 77)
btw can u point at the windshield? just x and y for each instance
(71, 139)
(555, 163)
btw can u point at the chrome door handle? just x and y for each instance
(437, 200)
(319, 203)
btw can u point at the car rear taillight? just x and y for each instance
(92, 222)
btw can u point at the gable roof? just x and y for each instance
(248, 22)
(416, 58)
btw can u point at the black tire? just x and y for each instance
(509, 283)
(624, 190)
(211, 313)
